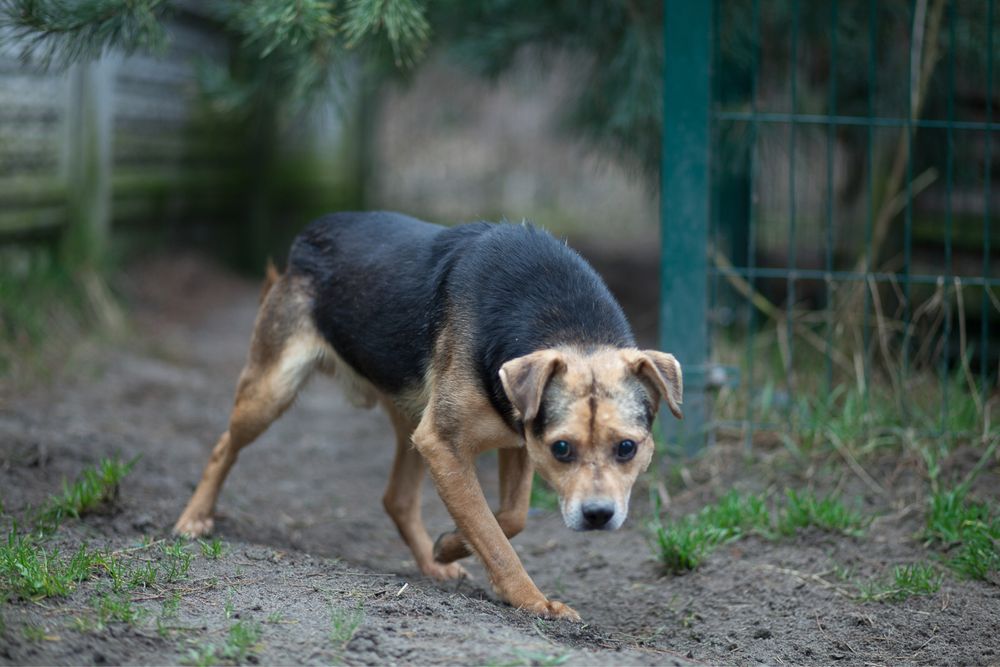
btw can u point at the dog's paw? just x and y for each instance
(553, 609)
(193, 527)
(444, 571)
(449, 547)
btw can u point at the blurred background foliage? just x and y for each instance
(374, 69)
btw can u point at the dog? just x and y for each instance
(474, 337)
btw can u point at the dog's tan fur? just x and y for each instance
(449, 421)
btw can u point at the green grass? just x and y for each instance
(240, 641)
(176, 562)
(537, 659)
(93, 489)
(110, 607)
(30, 570)
(34, 633)
(212, 550)
(344, 623)
(968, 533)
(856, 417)
(917, 579)
(830, 514)
(201, 655)
(169, 611)
(683, 544)
(35, 293)
(125, 574)
(542, 495)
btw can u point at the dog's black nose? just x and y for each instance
(597, 514)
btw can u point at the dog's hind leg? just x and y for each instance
(515, 498)
(402, 500)
(284, 351)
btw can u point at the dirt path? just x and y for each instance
(307, 539)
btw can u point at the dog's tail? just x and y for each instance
(271, 276)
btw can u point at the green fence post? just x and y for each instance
(684, 196)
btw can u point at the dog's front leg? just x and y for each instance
(515, 499)
(453, 470)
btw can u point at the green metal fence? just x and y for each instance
(827, 210)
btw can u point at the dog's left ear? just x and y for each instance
(664, 372)
(524, 380)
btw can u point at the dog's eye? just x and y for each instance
(625, 450)
(562, 451)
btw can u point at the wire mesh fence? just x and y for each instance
(848, 214)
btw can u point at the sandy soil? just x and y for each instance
(307, 538)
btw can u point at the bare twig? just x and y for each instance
(882, 336)
(809, 577)
(852, 462)
(924, 61)
(773, 312)
(141, 547)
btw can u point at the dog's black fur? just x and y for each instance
(385, 284)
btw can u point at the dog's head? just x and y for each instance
(587, 420)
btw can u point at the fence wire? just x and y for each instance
(850, 203)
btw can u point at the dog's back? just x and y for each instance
(384, 285)
(521, 291)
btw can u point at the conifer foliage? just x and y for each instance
(287, 51)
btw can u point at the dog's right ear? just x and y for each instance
(524, 380)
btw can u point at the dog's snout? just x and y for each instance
(597, 513)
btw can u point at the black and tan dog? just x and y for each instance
(472, 338)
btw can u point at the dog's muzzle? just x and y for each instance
(594, 514)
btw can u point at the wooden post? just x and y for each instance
(88, 162)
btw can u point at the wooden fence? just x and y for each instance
(124, 143)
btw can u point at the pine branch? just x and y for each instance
(60, 32)
(404, 22)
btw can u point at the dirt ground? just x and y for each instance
(306, 536)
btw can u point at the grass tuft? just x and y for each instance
(240, 641)
(917, 579)
(31, 571)
(967, 530)
(212, 550)
(830, 514)
(94, 488)
(344, 624)
(683, 544)
(177, 561)
(114, 607)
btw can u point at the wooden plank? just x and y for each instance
(26, 190)
(43, 220)
(161, 181)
